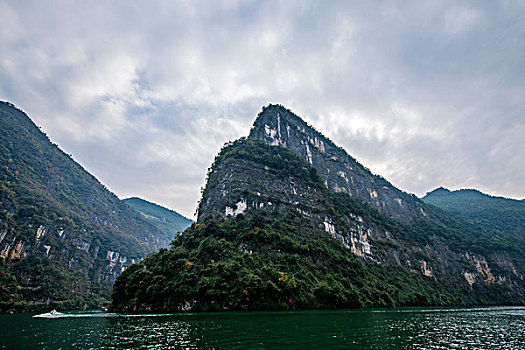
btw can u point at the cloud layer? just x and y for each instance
(144, 94)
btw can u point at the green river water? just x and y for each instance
(406, 328)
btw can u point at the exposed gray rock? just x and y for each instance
(277, 126)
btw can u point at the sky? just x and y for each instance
(143, 94)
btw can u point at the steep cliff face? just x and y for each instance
(374, 220)
(239, 184)
(63, 236)
(277, 126)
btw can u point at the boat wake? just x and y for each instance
(56, 314)
(52, 314)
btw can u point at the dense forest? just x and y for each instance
(208, 269)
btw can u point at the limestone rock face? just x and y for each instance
(240, 186)
(340, 172)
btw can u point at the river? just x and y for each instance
(405, 328)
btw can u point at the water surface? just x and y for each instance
(413, 328)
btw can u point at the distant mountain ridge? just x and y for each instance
(498, 213)
(167, 220)
(63, 236)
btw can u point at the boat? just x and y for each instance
(52, 314)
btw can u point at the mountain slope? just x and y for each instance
(63, 236)
(286, 214)
(497, 213)
(169, 221)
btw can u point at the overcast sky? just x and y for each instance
(144, 93)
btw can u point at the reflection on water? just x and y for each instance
(415, 328)
(148, 332)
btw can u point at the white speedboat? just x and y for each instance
(52, 314)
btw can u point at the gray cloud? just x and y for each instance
(144, 94)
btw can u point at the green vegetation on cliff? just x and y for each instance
(263, 262)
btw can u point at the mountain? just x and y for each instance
(498, 213)
(340, 172)
(289, 220)
(63, 236)
(168, 221)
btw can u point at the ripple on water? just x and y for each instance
(415, 328)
